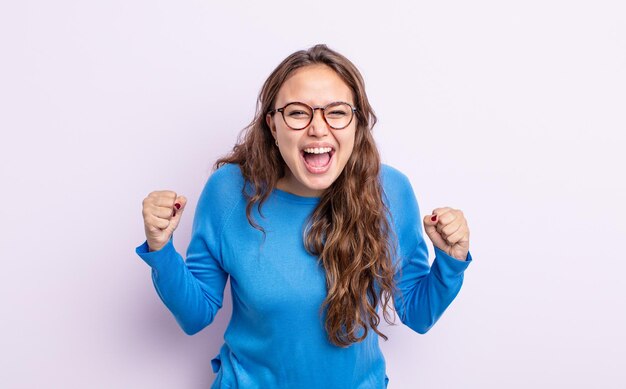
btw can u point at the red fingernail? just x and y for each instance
(174, 213)
(434, 218)
(177, 206)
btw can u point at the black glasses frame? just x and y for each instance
(313, 109)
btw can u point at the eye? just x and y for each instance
(336, 113)
(297, 114)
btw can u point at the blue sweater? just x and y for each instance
(276, 336)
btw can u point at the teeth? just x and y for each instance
(318, 150)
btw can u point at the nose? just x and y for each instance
(318, 126)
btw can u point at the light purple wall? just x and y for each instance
(513, 113)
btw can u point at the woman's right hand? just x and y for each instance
(161, 214)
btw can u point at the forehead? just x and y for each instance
(316, 85)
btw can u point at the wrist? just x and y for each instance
(459, 257)
(152, 248)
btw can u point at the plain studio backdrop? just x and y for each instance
(513, 112)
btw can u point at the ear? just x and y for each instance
(269, 120)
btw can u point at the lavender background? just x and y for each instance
(510, 111)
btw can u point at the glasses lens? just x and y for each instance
(297, 116)
(338, 115)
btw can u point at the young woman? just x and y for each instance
(314, 233)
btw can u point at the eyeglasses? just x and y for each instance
(297, 116)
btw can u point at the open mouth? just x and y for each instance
(317, 159)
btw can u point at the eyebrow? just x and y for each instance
(314, 106)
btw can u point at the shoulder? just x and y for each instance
(398, 195)
(390, 173)
(226, 180)
(396, 185)
(400, 199)
(221, 193)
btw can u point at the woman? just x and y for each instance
(314, 233)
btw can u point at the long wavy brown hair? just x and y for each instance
(348, 229)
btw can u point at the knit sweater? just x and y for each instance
(276, 336)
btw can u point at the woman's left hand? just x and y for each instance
(447, 229)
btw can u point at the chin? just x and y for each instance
(327, 180)
(311, 180)
(312, 185)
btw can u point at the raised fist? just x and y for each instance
(447, 229)
(161, 214)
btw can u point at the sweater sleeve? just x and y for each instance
(193, 289)
(424, 292)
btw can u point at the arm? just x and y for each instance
(192, 290)
(424, 292)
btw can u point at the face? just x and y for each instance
(308, 172)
